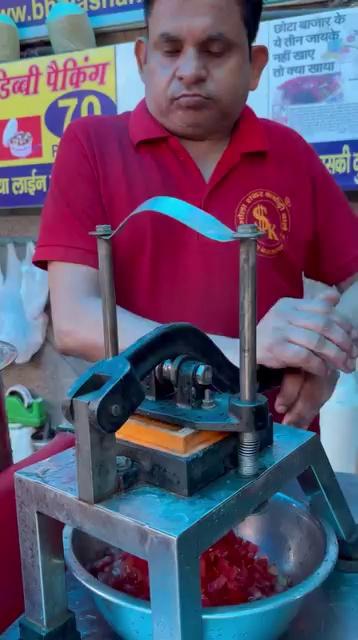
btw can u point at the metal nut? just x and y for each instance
(208, 402)
(204, 374)
(167, 369)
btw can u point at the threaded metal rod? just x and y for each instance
(248, 454)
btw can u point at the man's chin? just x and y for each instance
(193, 126)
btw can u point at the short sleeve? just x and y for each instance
(333, 254)
(73, 205)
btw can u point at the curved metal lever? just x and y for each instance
(187, 214)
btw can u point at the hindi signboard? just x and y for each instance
(30, 15)
(39, 98)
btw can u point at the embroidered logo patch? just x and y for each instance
(271, 214)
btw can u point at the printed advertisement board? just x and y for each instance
(39, 98)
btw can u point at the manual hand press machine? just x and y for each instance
(156, 425)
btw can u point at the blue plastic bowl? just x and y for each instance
(303, 548)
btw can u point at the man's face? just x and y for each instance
(196, 66)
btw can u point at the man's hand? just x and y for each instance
(302, 395)
(309, 335)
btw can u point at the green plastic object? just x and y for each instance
(33, 415)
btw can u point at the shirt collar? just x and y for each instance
(143, 127)
(249, 135)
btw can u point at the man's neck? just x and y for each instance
(206, 154)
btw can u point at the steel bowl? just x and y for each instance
(303, 548)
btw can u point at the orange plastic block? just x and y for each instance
(166, 437)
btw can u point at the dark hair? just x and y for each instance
(252, 10)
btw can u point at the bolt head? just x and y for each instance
(116, 410)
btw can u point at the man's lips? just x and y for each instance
(191, 100)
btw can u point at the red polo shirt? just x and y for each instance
(107, 166)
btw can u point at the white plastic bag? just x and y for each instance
(23, 297)
(339, 426)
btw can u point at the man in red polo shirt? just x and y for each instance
(193, 138)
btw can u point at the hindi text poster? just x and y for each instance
(314, 75)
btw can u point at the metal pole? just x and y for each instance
(249, 442)
(248, 378)
(8, 355)
(95, 450)
(5, 444)
(108, 294)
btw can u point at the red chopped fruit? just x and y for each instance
(232, 572)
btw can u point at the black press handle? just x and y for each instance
(113, 387)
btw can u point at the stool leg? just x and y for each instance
(43, 571)
(175, 590)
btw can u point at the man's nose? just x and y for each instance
(191, 68)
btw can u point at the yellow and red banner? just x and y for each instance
(39, 98)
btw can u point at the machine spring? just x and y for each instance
(249, 447)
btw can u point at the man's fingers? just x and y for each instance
(298, 418)
(327, 326)
(298, 357)
(307, 334)
(290, 389)
(334, 356)
(303, 412)
(332, 296)
(322, 308)
(313, 395)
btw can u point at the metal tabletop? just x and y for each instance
(329, 614)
